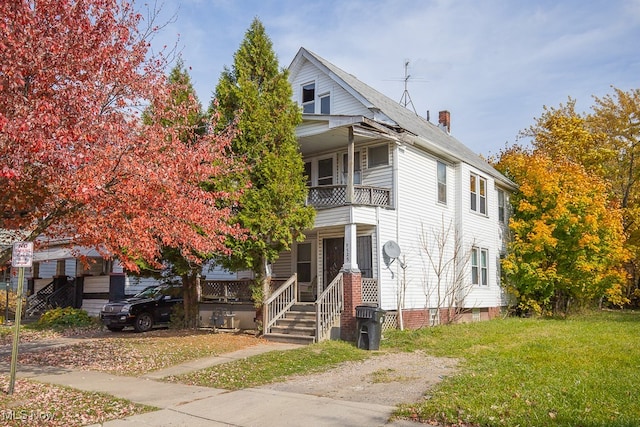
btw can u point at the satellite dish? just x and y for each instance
(390, 251)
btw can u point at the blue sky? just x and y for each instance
(493, 64)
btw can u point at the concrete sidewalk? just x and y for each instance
(182, 405)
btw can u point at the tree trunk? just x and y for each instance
(190, 295)
(265, 278)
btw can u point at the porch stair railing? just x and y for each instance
(37, 303)
(63, 297)
(288, 320)
(329, 306)
(49, 297)
(277, 305)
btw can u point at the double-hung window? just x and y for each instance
(478, 192)
(303, 264)
(309, 98)
(378, 156)
(442, 183)
(501, 206)
(325, 103)
(307, 173)
(479, 266)
(357, 176)
(325, 171)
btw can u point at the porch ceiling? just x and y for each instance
(326, 134)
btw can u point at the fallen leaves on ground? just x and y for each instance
(136, 354)
(37, 404)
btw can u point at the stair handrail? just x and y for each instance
(329, 307)
(62, 297)
(280, 302)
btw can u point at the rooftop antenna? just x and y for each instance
(406, 98)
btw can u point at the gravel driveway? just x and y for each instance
(387, 378)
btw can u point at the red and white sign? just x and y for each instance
(22, 254)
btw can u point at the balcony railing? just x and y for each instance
(329, 196)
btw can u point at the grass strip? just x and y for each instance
(274, 366)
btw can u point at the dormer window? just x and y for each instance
(309, 98)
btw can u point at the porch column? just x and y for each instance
(352, 298)
(350, 249)
(352, 278)
(350, 159)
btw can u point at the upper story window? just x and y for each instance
(325, 104)
(309, 98)
(501, 206)
(478, 192)
(442, 183)
(307, 173)
(378, 156)
(325, 171)
(479, 266)
(357, 176)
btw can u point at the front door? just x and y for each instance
(333, 250)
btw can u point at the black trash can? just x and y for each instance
(369, 323)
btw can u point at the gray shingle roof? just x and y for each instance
(425, 131)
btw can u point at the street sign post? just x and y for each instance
(22, 258)
(6, 303)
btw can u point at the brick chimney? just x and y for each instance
(444, 120)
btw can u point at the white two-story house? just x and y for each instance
(410, 218)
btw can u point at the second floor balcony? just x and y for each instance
(329, 196)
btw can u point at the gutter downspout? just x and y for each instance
(396, 180)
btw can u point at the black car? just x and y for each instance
(150, 307)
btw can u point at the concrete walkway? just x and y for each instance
(182, 405)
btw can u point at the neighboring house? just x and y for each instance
(80, 277)
(387, 184)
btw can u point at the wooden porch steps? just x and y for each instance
(298, 325)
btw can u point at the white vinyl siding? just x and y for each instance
(341, 101)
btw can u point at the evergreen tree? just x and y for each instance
(257, 94)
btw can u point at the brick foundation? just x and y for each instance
(420, 318)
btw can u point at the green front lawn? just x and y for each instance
(581, 371)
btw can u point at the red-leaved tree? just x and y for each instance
(77, 162)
